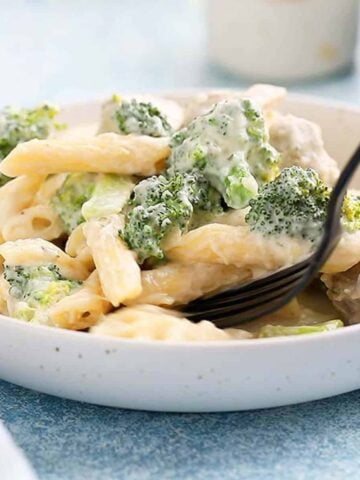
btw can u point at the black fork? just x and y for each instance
(266, 295)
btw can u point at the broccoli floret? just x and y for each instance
(351, 212)
(162, 203)
(230, 145)
(69, 199)
(37, 287)
(281, 330)
(21, 125)
(86, 195)
(295, 204)
(141, 118)
(111, 193)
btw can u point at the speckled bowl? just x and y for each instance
(191, 377)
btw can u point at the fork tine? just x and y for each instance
(235, 297)
(237, 318)
(245, 306)
(275, 276)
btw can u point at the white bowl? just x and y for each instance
(198, 376)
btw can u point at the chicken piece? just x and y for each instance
(344, 292)
(300, 143)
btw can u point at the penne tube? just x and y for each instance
(106, 153)
(17, 195)
(48, 189)
(81, 309)
(176, 284)
(345, 255)
(77, 247)
(40, 252)
(238, 246)
(147, 322)
(39, 221)
(118, 271)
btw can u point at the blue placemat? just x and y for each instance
(72, 441)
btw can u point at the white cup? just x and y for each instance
(282, 40)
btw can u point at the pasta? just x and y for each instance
(106, 153)
(178, 284)
(37, 251)
(118, 271)
(345, 255)
(174, 199)
(146, 322)
(229, 245)
(48, 189)
(76, 246)
(82, 309)
(33, 222)
(17, 195)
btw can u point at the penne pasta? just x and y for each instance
(17, 195)
(238, 246)
(106, 153)
(176, 284)
(76, 246)
(147, 322)
(48, 189)
(118, 271)
(345, 255)
(81, 309)
(39, 221)
(39, 252)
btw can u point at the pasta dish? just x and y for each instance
(169, 201)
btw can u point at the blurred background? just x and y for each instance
(74, 50)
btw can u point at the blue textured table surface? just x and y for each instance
(65, 51)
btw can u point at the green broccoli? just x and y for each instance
(21, 125)
(162, 203)
(37, 287)
(281, 330)
(351, 212)
(141, 118)
(295, 204)
(88, 195)
(69, 199)
(111, 192)
(230, 145)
